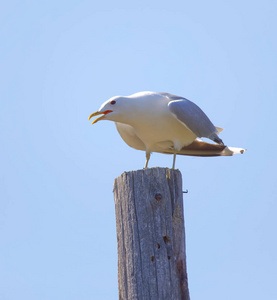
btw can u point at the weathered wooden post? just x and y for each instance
(150, 235)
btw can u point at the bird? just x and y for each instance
(164, 123)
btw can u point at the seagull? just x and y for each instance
(163, 123)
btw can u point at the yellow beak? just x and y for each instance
(97, 113)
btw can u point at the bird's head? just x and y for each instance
(115, 109)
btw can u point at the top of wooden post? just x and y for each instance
(151, 235)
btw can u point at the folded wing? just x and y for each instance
(194, 118)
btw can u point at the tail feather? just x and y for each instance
(200, 148)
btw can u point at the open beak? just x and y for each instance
(97, 113)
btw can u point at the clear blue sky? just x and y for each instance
(59, 61)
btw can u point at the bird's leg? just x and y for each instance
(174, 158)
(147, 159)
(177, 146)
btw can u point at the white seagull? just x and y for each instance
(164, 123)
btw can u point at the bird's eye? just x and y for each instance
(113, 102)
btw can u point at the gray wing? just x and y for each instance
(193, 117)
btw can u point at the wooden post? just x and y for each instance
(150, 235)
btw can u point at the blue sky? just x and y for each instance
(59, 61)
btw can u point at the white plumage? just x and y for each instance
(165, 123)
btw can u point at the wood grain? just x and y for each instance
(151, 235)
